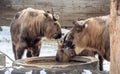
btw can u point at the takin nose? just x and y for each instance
(58, 36)
(69, 44)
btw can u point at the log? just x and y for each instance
(114, 38)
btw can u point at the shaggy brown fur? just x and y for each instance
(64, 53)
(27, 28)
(93, 33)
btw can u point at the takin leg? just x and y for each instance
(20, 48)
(100, 63)
(107, 55)
(32, 52)
(29, 53)
(37, 46)
(14, 51)
(35, 50)
(20, 53)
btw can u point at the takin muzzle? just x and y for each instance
(58, 36)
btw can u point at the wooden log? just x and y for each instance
(114, 38)
(118, 7)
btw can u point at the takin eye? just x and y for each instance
(78, 29)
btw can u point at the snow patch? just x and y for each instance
(20, 67)
(9, 70)
(86, 72)
(5, 34)
(65, 31)
(43, 71)
(30, 72)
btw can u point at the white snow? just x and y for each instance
(30, 72)
(86, 72)
(106, 65)
(9, 70)
(43, 71)
(48, 49)
(5, 34)
(65, 31)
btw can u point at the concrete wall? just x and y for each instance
(67, 9)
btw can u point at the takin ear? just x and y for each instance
(51, 16)
(79, 19)
(81, 23)
(17, 15)
(55, 17)
(48, 15)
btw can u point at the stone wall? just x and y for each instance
(67, 9)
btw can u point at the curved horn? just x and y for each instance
(55, 17)
(80, 19)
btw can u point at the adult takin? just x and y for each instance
(28, 27)
(92, 33)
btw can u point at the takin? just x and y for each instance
(92, 33)
(28, 27)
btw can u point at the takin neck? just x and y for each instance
(96, 36)
(40, 29)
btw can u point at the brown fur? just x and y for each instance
(93, 33)
(27, 28)
(64, 53)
